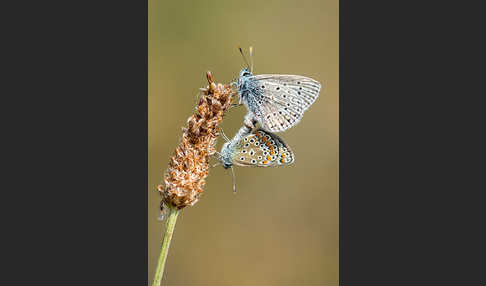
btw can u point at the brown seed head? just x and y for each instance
(188, 167)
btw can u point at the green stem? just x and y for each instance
(173, 212)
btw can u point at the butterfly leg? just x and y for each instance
(224, 137)
(239, 100)
(235, 105)
(163, 212)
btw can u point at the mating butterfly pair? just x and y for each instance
(277, 103)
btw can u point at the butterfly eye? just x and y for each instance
(246, 139)
(252, 140)
(259, 157)
(252, 152)
(298, 82)
(242, 158)
(244, 151)
(278, 88)
(246, 145)
(253, 161)
(256, 143)
(263, 86)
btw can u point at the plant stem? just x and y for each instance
(173, 212)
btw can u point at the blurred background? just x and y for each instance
(281, 228)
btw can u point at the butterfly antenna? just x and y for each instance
(234, 180)
(243, 55)
(251, 59)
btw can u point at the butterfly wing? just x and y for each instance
(262, 149)
(284, 98)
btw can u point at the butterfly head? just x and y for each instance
(225, 157)
(244, 75)
(245, 72)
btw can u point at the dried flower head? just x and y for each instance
(188, 167)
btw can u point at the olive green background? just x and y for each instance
(281, 228)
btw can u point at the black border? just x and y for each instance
(407, 132)
(78, 124)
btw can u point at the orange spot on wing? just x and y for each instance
(268, 143)
(269, 158)
(271, 148)
(265, 162)
(272, 153)
(282, 161)
(283, 155)
(264, 139)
